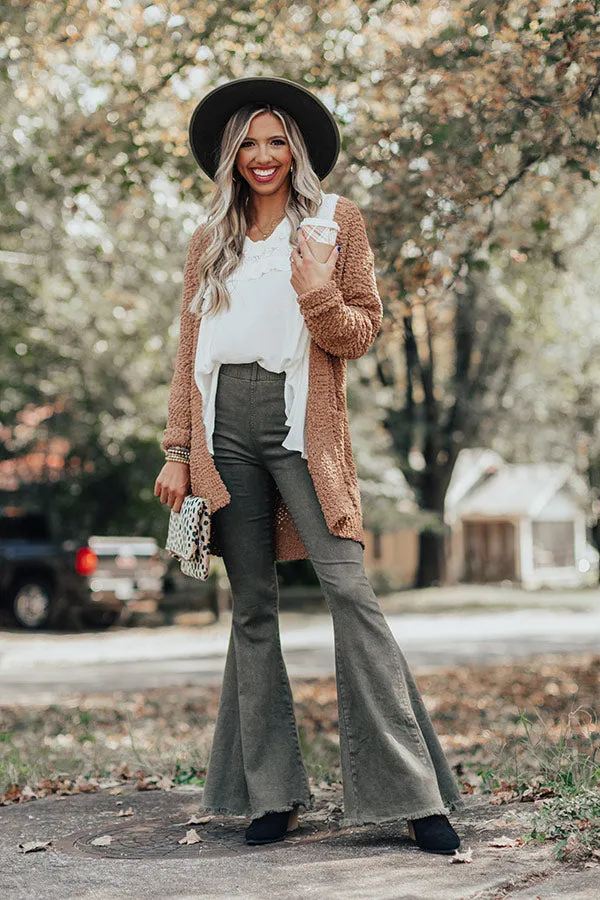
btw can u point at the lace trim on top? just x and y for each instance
(270, 255)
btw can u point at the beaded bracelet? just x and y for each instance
(178, 454)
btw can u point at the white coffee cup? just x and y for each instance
(321, 235)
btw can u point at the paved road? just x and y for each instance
(40, 667)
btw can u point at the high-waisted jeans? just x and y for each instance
(392, 763)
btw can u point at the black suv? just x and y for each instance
(47, 581)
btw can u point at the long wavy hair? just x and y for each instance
(227, 221)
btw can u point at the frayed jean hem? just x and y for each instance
(227, 811)
(399, 817)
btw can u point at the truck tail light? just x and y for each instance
(86, 561)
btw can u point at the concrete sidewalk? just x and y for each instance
(144, 858)
(488, 597)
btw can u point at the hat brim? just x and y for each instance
(209, 118)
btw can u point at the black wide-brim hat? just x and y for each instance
(318, 127)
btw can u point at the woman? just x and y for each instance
(257, 424)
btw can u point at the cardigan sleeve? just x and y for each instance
(179, 425)
(344, 316)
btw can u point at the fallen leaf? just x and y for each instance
(30, 846)
(103, 841)
(505, 841)
(191, 837)
(574, 849)
(320, 815)
(86, 785)
(13, 793)
(106, 783)
(198, 820)
(126, 812)
(503, 797)
(465, 857)
(148, 783)
(153, 783)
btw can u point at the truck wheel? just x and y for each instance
(101, 618)
(32, 604)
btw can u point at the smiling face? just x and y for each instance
(265, 157)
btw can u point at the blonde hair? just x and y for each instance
(227, 221)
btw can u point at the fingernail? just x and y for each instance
(299, 227)
(339, 248)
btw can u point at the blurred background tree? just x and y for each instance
(489, 129)
(469, 141)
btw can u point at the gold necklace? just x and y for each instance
(266, 234)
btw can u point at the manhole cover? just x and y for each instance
(155, 839)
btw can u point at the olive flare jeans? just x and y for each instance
(392, 763)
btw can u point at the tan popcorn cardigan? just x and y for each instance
(343, 318)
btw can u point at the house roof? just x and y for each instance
(516, 490)
(471, 465)
(487, 486)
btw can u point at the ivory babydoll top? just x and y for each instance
(264, 324)
(344, 317)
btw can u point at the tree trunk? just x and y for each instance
(593, 474)
(431, 571)
(596, 539)
(432, 555)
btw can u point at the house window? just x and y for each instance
(553, 544)
(376, 545)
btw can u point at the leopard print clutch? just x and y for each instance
(188, 536)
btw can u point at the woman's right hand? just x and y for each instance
(173, 484)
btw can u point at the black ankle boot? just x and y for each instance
(434, 834)
(272, 826)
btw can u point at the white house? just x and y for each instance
(525, 524)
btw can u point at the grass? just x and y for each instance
(102, 737)
(560, 773)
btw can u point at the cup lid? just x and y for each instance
(315, 220)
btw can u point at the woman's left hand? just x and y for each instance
(307, 272)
